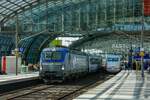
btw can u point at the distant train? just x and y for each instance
(58, 64)
(113, 63)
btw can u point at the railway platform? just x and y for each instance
(12, 78)
(126, 85)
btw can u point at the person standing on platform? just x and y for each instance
(129, 66)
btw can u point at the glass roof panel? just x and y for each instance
(2, 9)
(6, 12)
(21, 4)
(2, 1)
(10, 6)
(18, 1)
(13, 6)
(1, 18)
(6, 3)
(51, 4)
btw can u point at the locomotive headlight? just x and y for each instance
(63, 68)
(41, 67)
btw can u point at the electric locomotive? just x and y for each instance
(58, 64)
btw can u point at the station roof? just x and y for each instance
(9, 8)
(34, 15)
(90, 19)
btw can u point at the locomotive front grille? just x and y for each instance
(52, 75)
(52, 68)
(51, 71)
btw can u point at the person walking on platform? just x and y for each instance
(126, 65)
(148, 69)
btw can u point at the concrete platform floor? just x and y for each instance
(12, 78)
(126, 85)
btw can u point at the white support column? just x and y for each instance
(105, 11)
(96, 19)
(62, 21)
(79, 19)
(46, 13)
(114, 12)
(142, 41)
(16, 44)
(123, 11)
(87, 14)
(31, 19)
(71, 20)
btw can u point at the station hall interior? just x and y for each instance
(97, 49)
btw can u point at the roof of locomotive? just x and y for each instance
(55, 49)
(62, 49)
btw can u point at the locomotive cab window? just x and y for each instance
(94, 61)
(48, 55)
(55, 55)
(112, 59)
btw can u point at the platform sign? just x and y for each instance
(138, 57)
(142, 53)
(21, 49)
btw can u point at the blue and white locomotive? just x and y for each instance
(58, 64)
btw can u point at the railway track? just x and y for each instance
(64, 91)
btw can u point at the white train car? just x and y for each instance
(95, 63)
(113, 63)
